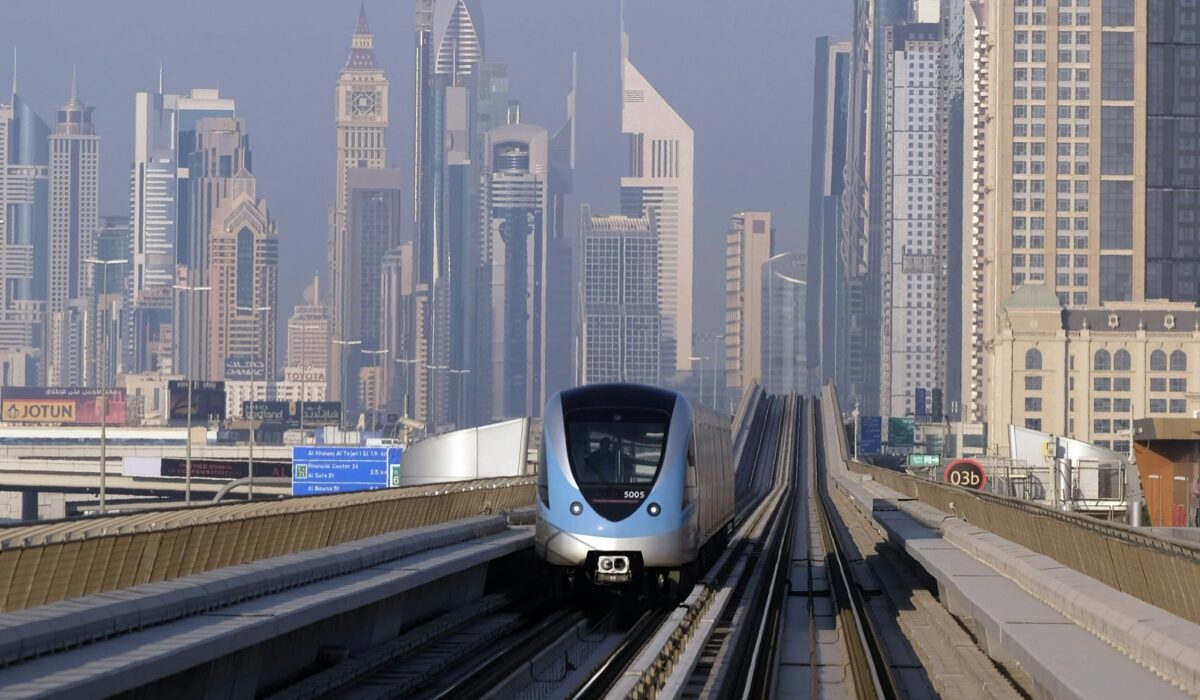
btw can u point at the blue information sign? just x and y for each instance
(871, 440)
(331, 469)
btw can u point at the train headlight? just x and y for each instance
(606, 564)
(576, 508)
(654, 509)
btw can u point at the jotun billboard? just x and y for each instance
(60, 405)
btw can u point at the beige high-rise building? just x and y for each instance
(244, 274)
(748, 245)
(220, 165)
(661, 178)
(308, 335)
(361, 118)
(1080, 267)
(1056, 166)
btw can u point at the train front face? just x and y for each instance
(611, 485)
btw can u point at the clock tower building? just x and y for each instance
(361, 113)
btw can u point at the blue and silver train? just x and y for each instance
(634, 484)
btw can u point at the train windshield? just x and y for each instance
(616, 446)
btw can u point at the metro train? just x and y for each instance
(635, 486)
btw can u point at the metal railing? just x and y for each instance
(1162, 571)
(1088, 486)
(53, 561)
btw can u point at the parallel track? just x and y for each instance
(486, 652)
(869, 668)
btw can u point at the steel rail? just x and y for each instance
(872, 673)
(618, 660)
(690, 629)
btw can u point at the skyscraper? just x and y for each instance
(361, 106)
(243, 270)
(831, 120)
(449, 42)
(219, 168)
(784, 326)
(913, 323)
(160, 202)
(308, 333)
(858, 321)
(517, 183)
(24, 205)
(372, 229)
(558, 345)
(620, 332)
(660, 178)
(748, 246)
(1059, 104)
(73, 219)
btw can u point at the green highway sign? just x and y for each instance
(924, 460)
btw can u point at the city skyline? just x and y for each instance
(203, 60)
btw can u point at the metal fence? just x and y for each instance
(46, 562)
(1158, 570)
(1088, 486)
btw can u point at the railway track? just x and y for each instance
(780, 607)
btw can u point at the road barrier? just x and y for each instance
(48, 562)
(1161, 571)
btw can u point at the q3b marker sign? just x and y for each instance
(966, 473)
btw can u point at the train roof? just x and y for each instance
(619, 395)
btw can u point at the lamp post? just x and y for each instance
(187, 470)
(342, 374)
(717, 338)
(700, 373)
(305, 366)
(104, 381)
(462, 395)
(407, 378)
(433, 396)
(857, 426)
(250, 462)
(375, 381)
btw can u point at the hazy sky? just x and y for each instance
(739, 72)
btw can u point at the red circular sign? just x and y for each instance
(966, 473)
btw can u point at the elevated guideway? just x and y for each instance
(1071, 606)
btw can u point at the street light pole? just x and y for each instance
(187, 378)
(432, 391)
(407, 378)
(857, 426)
(104, 380)
(342, 372)
(716, 353)
(459, 419)
(375, 382)
(305, 366)
(250, 462)
(695, 358)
